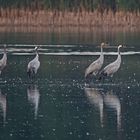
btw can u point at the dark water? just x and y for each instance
(58, 105)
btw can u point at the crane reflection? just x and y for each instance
(112, 101)
(33, 97)
(3, 106)
(96, 99)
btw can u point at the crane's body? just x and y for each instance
(113, 67)
(33, 66)
(95, 66)
(3, 60)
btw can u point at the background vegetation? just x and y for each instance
(73, 5)
(70, 13)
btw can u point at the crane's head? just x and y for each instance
(104, 44)
(120, 46)
(5, 47)
(36, 48)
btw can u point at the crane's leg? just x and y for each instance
(88, 79)
(29, 74)
(33, 75)
(102, 76)
(111, 80)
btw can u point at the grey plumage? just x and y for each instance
(33, 65)
(113, 67)
(3, 61)
(95, 66)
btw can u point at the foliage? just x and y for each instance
(89, 5)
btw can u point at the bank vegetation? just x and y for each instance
(70, 13)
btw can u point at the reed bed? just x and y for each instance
(53, 18)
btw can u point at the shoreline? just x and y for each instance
(70, 29)
(66, 19)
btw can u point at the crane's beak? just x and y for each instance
(37, 47)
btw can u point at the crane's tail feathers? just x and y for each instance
(89, 75)
(31, 73)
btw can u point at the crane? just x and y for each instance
(113, 67)
(95, 66)
(3, 60)
(33, 65)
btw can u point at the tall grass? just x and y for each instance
(57, 18)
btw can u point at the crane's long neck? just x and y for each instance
(118, 51)
(101, 55)
(4, 49)
(4, 58)
(119, 54)
(37, 56)
(101, 50)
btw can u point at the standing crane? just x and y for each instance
(95, 66)
(33, 65)
(3, 61)
(113, 67)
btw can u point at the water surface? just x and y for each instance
(58, 104)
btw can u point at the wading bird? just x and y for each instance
(113, 67)
(33, 65)
(95, 66)
(3, 61)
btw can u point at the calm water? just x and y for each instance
(58, 105)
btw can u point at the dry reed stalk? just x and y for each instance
(49, 18)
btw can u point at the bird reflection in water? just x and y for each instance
(33, 97)
(3, 106)
(113, 102)
(96, 99)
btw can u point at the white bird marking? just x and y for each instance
(96, 99)
(3, 61)
(112, 101)
(33, 65)
(33, 97)
(113, 67)
(95, 66)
